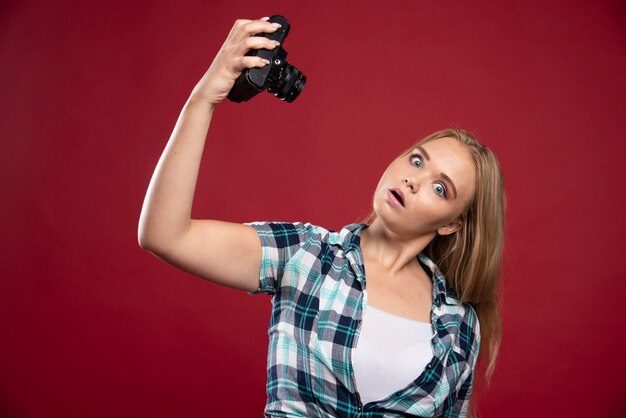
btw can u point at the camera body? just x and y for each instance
(279, 77)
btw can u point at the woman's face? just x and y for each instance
(426, 190)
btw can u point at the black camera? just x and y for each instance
(279, 77)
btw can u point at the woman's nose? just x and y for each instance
(410, 182)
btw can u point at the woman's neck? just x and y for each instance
(393, 253)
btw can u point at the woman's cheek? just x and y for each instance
(432, 214)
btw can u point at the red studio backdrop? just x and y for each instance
(94, 326)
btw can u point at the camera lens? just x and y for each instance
(289, 84)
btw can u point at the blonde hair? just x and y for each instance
(471, 257)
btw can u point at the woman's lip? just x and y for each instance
(393, 199)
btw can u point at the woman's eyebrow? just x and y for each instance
(449, 180)
(423, 152)
(443, 175)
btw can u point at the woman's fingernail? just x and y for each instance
(266, 61)
(275, 42)
(265, 18)
(276, 25)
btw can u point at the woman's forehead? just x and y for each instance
(444, 144)
(450, 152)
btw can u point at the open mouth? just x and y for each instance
(397, 196)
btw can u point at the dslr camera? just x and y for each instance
(279, 77)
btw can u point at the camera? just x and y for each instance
(279, 77)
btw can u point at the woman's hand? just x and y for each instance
(231, 61)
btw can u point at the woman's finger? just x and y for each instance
(240, 64)
(256, 42)
(239, 23)
(243, 28)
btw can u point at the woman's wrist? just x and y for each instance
(198, 100)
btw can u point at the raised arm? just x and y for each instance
(222, 252)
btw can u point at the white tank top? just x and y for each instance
(391, 352)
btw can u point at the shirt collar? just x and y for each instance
(441, 293)
(350, 240)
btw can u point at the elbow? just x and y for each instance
(148, 233)
(143, 240)
(154, 241)
(151, 245)
(143, 243)
(157, 237)
(145, 237)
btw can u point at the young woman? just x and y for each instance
(381, 319)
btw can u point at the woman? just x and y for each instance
(380, 319)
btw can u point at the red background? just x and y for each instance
(93, 326)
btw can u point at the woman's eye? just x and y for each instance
(416, 160)
(440, 189)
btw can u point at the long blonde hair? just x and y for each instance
(471, 257)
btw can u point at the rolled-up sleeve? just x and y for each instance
(279, 242)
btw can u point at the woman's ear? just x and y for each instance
(452, 227)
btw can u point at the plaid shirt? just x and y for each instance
(317, 280)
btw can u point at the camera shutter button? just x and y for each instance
(276, 61)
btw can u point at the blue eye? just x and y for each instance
(440, 189)
(416, 160)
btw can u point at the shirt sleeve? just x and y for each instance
(457, 404)
(279, 242)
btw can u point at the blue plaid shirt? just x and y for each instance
(317, 280)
